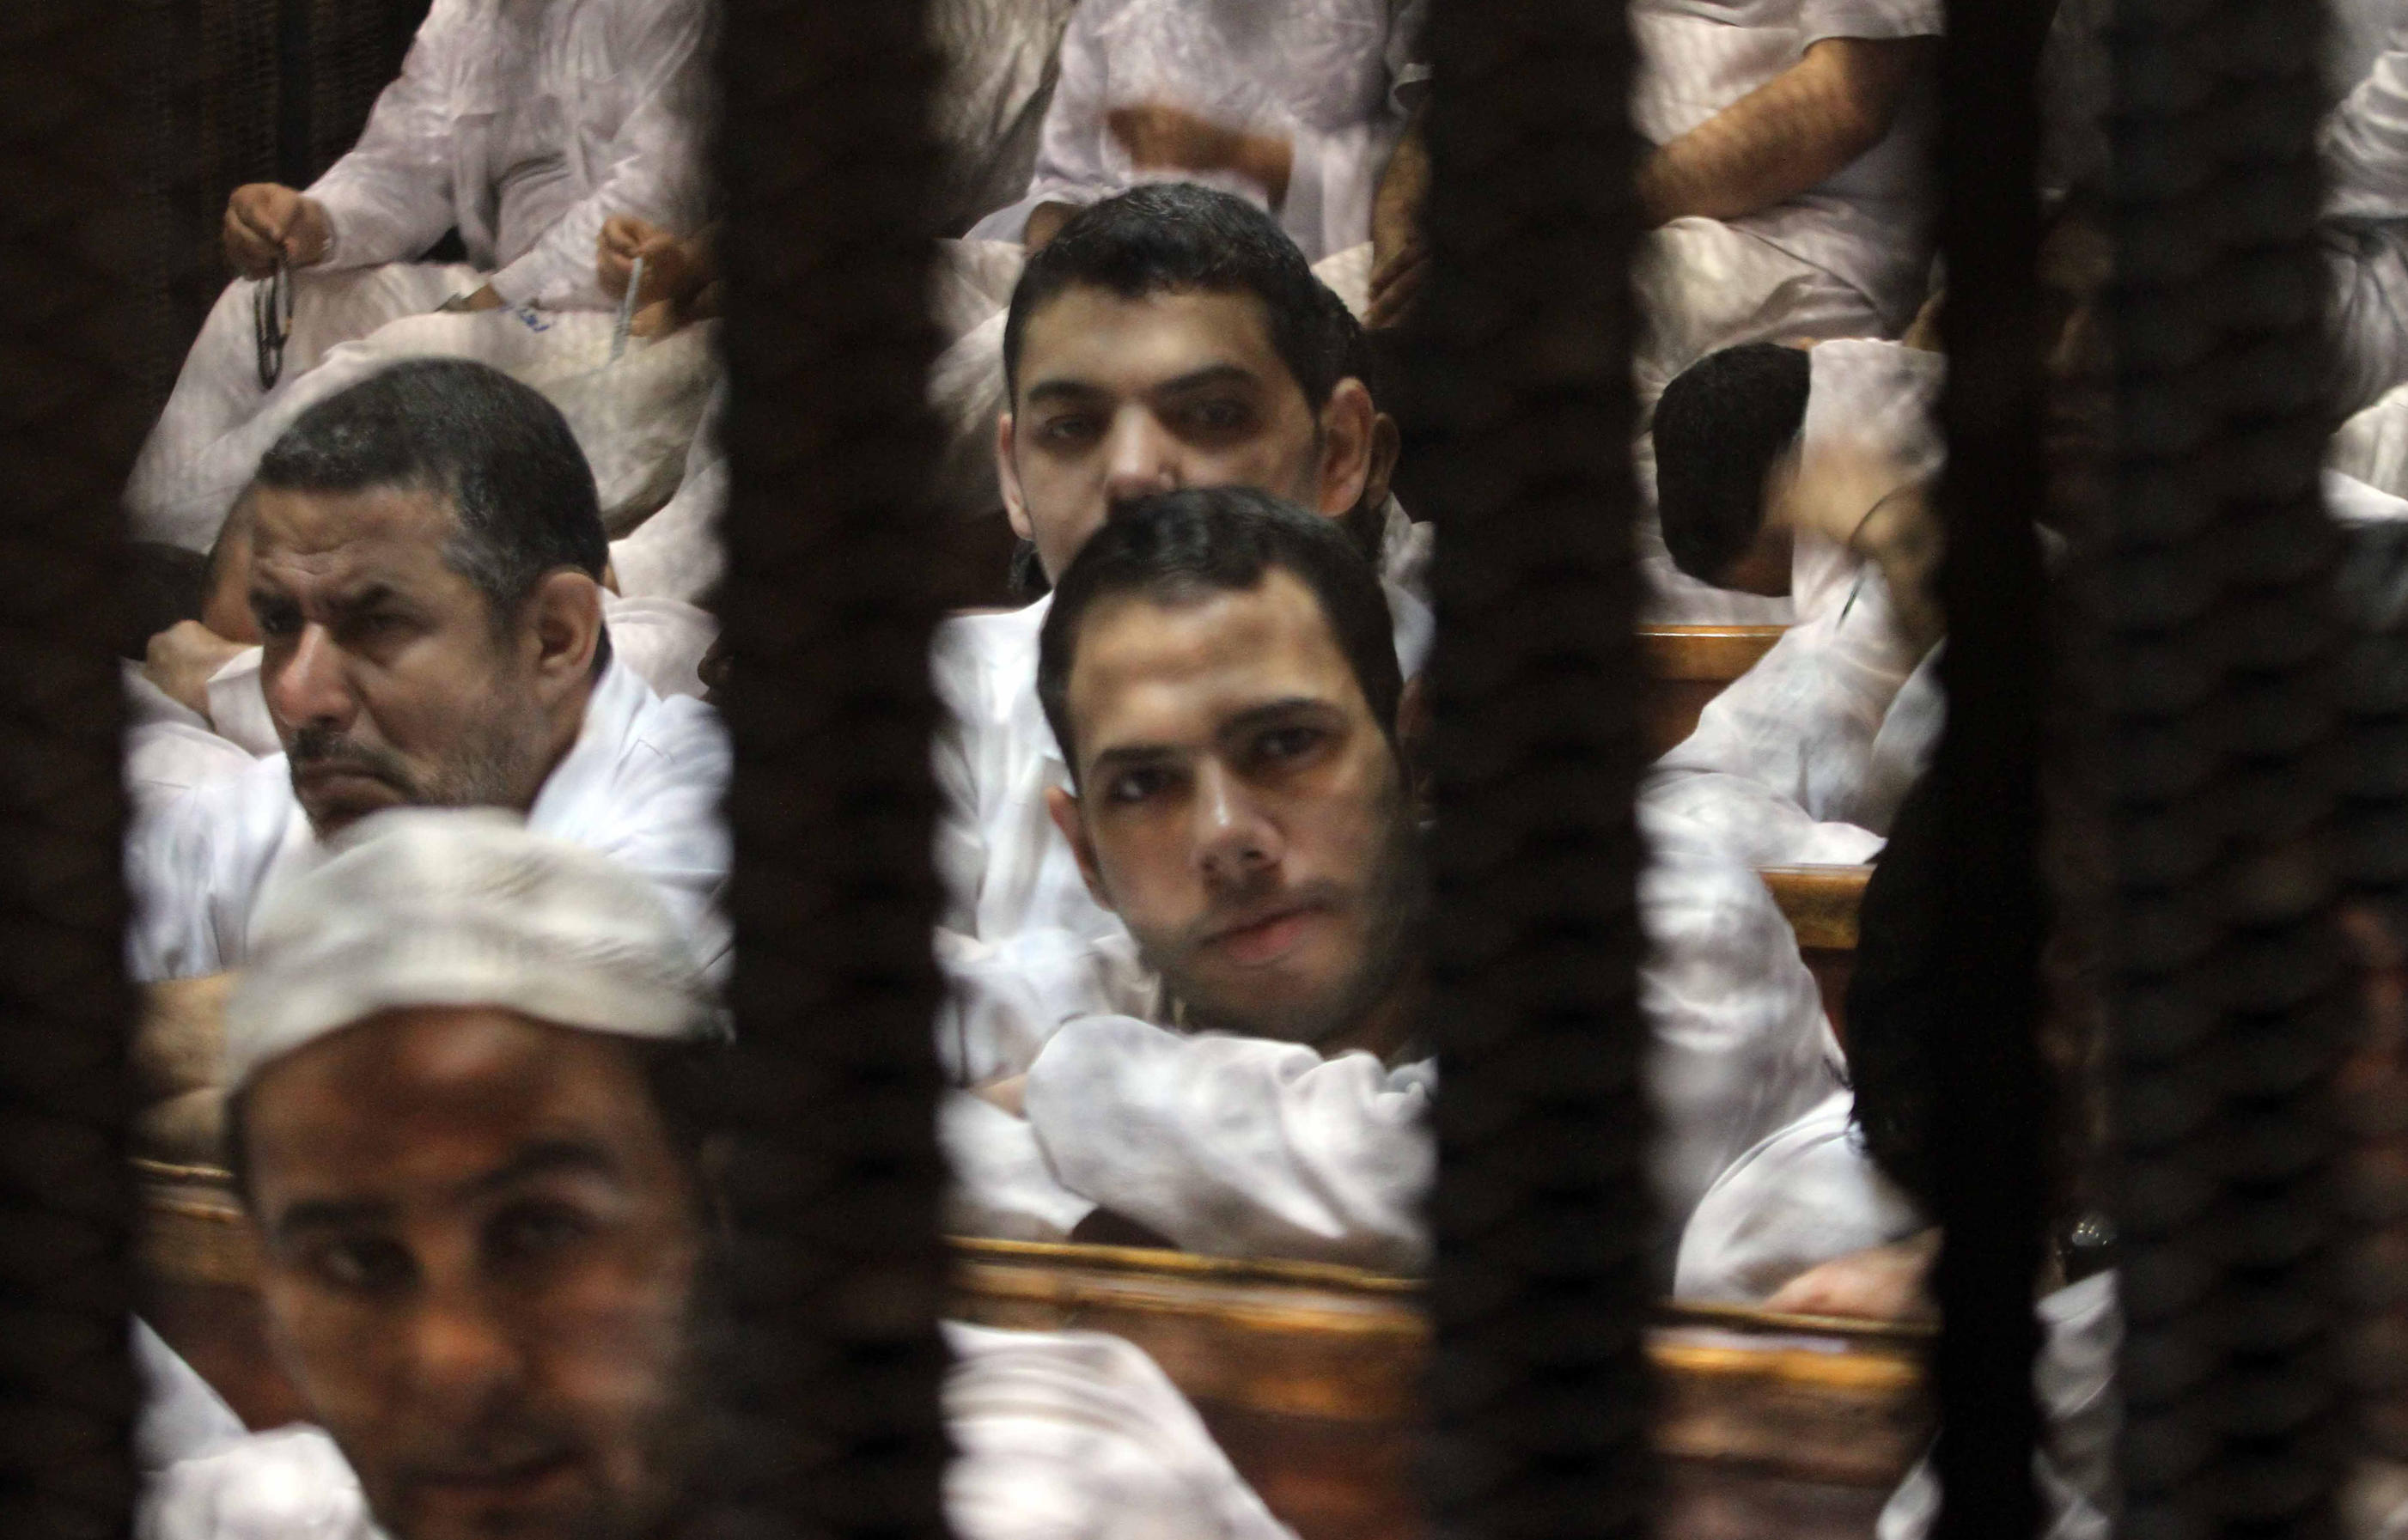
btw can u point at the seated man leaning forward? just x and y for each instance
(425, 579)
(471, 1126)
(1218, 669)
(1169, 337)
(523, 126)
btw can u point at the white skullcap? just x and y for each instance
(461, 906)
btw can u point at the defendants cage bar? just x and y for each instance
(2216, 681)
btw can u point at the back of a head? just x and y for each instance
(1720, 427)
(1167, 237)
(495, 450)
(1185, 545)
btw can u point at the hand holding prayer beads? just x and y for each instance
(266, 224)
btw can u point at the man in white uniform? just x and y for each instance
(1220, 668)
(1169, 337)
(1807, 474)
(1289, 104)
(468, 1129)
(523, 124)
(424, 576)
(1788, 186)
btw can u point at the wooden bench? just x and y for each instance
(1820, 903)
(1309, 1375)
(1686, 666)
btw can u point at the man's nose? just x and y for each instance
(1235, 838)
(1141, 459)
(310, 687)
(464, 1353)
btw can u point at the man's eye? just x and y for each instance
(370, 1264)
(1282, 744)
(1132, 785)
(275, 619)
(536, 1229)
(1067, 430)
(1227, 415)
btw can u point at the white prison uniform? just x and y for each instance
(2074, 1378)
(2363, 143)
(524, 126)
(169, 747)
(1058, 1435)
(1848, 256)
(1248, 1147)
(1804, 1197)
(1001, 57)
(1799, 730)
(679, 552)
(182, 1416)
(642, 783)
(2372, 446)
(1313, 72)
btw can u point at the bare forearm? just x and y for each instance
(1793, 132)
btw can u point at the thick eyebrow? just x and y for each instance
(1269, 713)
(546, 1158)
(530, 1162)
(1046, 391)
(1253, 719)
(354, 602)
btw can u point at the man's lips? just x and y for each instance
(485, 1483)
(1264, 936)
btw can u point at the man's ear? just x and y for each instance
(1388, 447)
(1064, 810)
(567, 609)
(1347, 430)
(1007, 476)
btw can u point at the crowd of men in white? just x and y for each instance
(453, 547)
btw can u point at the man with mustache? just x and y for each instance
(1219, 671)
(425, 577)
(471, 1123)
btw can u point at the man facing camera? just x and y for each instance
(425, 579)
(1170, 337)
(471, 1127)
(1219, 671)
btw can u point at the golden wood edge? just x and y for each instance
(1820, 903)
(1704, 653)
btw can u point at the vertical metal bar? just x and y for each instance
(2226, 1006)
(826, 168)
(1522, 372)
(1988, 1180)
(71, 363)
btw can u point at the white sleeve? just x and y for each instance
(1875, 20)
(1332, 179)
(1237, 1146)
(2365, 145)
(172, 859)
(676, 834)
(1001, 1186)
(1801, 723)
(1006, 998)
(391, 197)
(1078, 1434)
(182, 1417)
(291, 1484)
(1072, 148)
(678, 554)
(1758, 825)
(1737, 1045)
(238, 707)
(652, 168)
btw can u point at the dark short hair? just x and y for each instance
(1184, 544)
(1894, 1001)
(1169, 237)
(495, 450)
(1720, 425)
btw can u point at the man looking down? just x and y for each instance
(1169, 337)
(425, 579)
(1219, 670)
(472, 1130)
